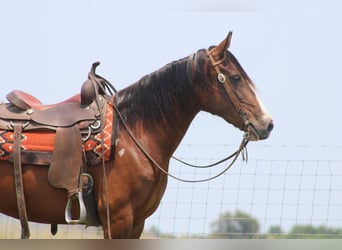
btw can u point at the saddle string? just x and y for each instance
(110, 88)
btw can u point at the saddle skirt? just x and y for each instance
(37, 146)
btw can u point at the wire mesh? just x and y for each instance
(279, 194)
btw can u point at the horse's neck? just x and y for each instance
(171, 134)
(161, 106)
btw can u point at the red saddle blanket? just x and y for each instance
(43, 141)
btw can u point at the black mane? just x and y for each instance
(158, 96)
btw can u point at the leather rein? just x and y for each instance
(236, 103)
(231, 94)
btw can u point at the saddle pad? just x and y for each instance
(44, 141)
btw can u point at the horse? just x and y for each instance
(155, 112)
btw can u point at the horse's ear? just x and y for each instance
(227, 41)
(220, 49)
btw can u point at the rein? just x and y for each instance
(244, 156)
(100, 84)
(242, 147)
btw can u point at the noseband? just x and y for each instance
(228, 88)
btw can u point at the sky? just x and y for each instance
(291, 52)
(291, 49)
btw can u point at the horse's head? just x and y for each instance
(230, 93)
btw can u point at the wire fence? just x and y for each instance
(275, 193)
(297, 197)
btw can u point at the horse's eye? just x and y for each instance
(235, 78)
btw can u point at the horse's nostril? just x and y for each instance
(270, 126)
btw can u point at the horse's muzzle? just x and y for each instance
(259, 133)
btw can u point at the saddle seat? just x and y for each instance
(25, 107)
(26, 101)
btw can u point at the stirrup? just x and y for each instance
(83, 211)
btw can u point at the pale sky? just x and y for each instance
(291, 52)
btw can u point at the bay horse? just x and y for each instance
(157, 110)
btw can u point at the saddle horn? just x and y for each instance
(88, 89)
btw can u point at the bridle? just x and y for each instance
(227, 85)
(242, 147)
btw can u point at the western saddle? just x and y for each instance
(73, 121)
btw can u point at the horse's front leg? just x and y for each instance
(121, 224)
(137, 230)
